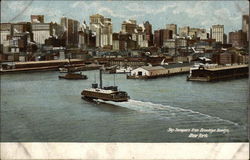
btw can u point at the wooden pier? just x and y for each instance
(158, 72)
(218, 73)
(52, 65)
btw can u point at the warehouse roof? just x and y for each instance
(150, 68)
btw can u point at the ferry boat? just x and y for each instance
(110, 93)
(73, 76)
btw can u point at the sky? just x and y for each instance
(201, 14)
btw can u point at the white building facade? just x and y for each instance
(41, 32)
(217, 33)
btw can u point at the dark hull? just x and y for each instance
(73, 77)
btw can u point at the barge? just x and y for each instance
(215, 73)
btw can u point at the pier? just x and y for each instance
(147, 72)
(51, 65)
(218, 73)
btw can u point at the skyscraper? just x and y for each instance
(217, 33)
(148, 31)
(107, 32)
(238, 38)
(70, 27)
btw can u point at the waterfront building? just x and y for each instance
(245, 25)
(184, 31)
(149, 71)
(238, 38)
(71, 28)
(172, 27)
(217, 33)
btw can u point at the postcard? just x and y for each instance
(124, 79)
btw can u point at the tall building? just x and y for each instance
(102, 28)
(217, 33)
(129, 26)
(172, 27)
(238, 38)
(141, 37)
(41, 32)
(245, 25)
(148, 31)
(161, 36)
(184, 31)
(96, 26)
(84, 36)
(71, 28)
(37, 18)
(107, 32)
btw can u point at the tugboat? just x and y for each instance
(109, 93)
(73, 76)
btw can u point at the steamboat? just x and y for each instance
(110, 93)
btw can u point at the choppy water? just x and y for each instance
(40, 107)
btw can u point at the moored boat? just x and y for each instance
(73, 76)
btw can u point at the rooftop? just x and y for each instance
(150, 68)
(227, 67)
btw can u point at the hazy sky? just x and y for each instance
(159, 13)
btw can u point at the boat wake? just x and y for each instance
(171, 113)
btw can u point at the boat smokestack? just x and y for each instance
(100, 78)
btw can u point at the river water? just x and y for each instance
(40, 107)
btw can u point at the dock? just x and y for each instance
(218, 73)
(52, 65)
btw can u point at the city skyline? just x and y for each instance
(201, 14)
